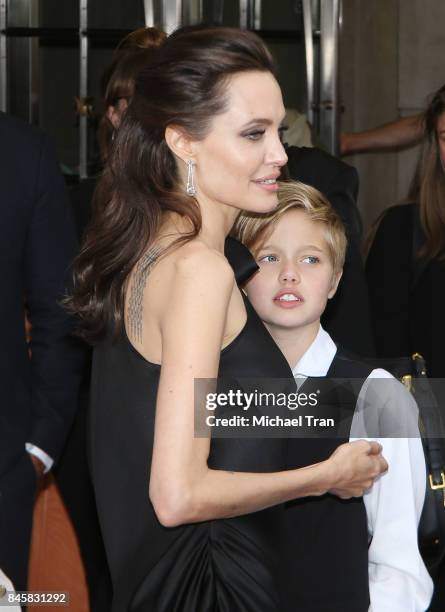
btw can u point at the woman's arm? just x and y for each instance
(182, 487)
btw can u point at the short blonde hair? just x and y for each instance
(253, 229)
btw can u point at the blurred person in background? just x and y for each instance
(39, 382)
(129, 58)
(405, 268)
(406, 262)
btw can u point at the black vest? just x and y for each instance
(326, 567)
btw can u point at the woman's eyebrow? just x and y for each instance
(263, 121)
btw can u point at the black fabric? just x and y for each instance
(241, 260)
(407, 317)
(347, 315)
(39, 394)
(73, 476)
(328, 537)
(221, 565)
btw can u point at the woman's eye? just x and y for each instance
(311, 259)
(256, 135)
(268, 258)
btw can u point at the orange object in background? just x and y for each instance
(55, 561)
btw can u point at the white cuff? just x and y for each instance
(40, 454)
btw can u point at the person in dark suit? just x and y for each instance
(38, 381)
(347, 317)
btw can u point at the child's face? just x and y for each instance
(296, 276)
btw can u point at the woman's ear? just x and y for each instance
(179, 143)
(335, 280)
(114, 113)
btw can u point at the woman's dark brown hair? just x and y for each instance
(133, 52)
(427, 189)
(184, 84)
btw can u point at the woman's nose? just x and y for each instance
(276, 156)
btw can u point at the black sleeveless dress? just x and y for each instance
(230, 565)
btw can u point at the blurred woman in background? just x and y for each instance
(406, 262)
(132, 53)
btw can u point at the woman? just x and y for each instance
(132, 53)
(189, 524)
(406, 262)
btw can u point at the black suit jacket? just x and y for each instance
(347, 316)
(38, 242)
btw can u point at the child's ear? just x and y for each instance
(335, 280)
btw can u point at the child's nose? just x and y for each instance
(290, 275)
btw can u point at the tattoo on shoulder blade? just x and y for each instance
(135, 302)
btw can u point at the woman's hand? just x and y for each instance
(354, 467)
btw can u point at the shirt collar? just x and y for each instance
(317, 360)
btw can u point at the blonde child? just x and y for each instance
(349, 556)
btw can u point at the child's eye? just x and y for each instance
(268, 258)
(254, 135)
(311, 259)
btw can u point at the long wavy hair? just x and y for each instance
(118, 83)
(184, 84)
(427, 188)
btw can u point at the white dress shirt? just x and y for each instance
(47, 461)
(398, 578)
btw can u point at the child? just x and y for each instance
(300, 249)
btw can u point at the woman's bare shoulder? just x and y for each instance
(196, 262)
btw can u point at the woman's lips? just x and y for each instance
(269, 183)
(273, 187)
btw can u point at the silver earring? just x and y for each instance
(190, 188)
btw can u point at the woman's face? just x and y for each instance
(440, 127)
(239, 161)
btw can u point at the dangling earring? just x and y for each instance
(190, 188)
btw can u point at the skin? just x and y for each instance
(294, 259)
(116, 112)
(190, 300)
(440, 130)
(404, 132)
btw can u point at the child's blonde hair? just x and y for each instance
(253, 229)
